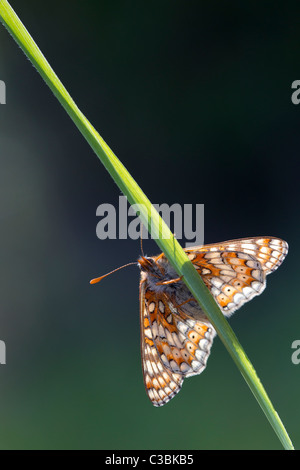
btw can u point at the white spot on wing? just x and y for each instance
(217, 282)
(256, 285)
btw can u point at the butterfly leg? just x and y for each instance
(185, 302)
(172, 281)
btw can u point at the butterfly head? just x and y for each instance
(146, 263)
(154, 269)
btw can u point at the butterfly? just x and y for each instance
(176, 335)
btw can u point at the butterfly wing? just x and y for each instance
(176, 345)
(173, 345)
(235, 271)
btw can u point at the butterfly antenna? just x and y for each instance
(142, 251)
(98, 279)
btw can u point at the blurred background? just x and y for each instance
(195, 99)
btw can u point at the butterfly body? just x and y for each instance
(176, 336)
(162, 279)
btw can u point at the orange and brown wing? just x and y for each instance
(173, 345)
(235, 271)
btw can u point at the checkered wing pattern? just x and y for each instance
(235, 271)
(175, 343)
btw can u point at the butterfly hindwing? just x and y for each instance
(160, 382)
(173, 345)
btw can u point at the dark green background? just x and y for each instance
(195, 99)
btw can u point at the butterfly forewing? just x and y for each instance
(269, 251)
(176, 337)
(235, 271)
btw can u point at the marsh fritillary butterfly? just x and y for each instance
(176, 336)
